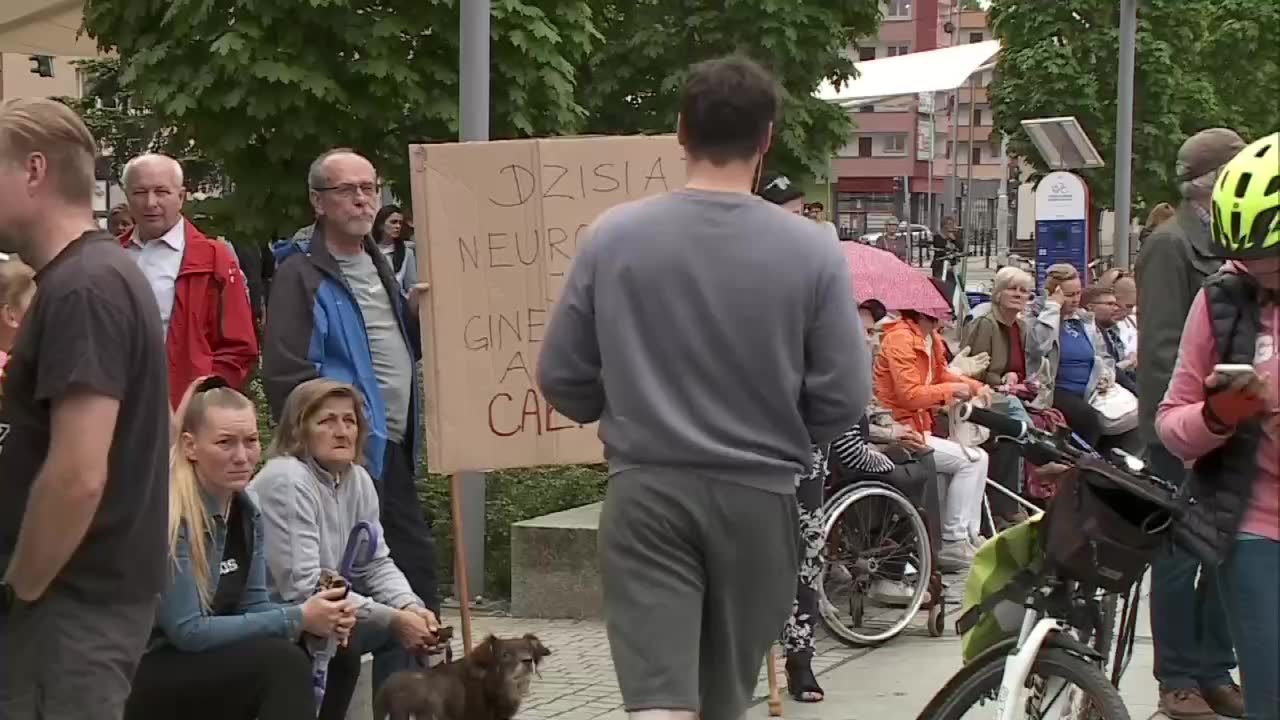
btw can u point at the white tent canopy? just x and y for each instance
(911, 74)
(44, 27)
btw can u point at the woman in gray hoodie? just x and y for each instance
(312, 493)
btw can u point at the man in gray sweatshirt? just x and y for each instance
(715, 337)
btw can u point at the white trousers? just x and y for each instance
(966, 487)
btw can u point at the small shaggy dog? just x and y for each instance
(488, 684)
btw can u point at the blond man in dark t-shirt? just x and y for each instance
(83, 437)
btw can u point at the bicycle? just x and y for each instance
(1065, 629)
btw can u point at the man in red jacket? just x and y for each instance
(202, 293)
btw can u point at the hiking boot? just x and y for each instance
(1226, 700)
(955, 556)
(1186, 704)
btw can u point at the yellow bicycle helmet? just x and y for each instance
(1246, 203)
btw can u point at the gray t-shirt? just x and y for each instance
(711, 332)
(392, 363)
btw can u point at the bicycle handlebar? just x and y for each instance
(1042, 448)
(1001, 425)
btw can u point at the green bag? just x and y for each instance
(1005, 569)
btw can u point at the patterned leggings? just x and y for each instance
(797, 634)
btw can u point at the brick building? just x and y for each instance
(883, 172)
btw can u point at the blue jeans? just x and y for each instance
(1250, 582)
(1189, 630)
(389, 656)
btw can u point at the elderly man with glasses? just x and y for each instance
(338, 311)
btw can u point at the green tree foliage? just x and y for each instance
(124, 128)
(1243, 58)
(1200, 63)
(263, 86)
(1062, 59)
(632, 81)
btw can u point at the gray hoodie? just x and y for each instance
(307, 516)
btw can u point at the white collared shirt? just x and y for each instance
(160, 261)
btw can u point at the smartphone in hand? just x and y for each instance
(1230, 371)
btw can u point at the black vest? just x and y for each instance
(1220, 484)
(233, 571)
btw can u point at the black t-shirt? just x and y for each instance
(94, 325)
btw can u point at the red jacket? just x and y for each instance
(211, 328)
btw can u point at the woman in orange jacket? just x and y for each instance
(911, 378)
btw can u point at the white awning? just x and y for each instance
(911, 74)
(44, 27)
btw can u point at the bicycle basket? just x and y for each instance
(1100, 535)
(1004, 572)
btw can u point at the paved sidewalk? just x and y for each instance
(892, 682)
(578, 681)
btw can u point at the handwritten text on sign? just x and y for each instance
(503, 224)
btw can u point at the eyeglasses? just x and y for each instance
(349, 190)
(212, 382)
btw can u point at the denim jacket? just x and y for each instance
(183, 622)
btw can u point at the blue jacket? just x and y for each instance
(315, 329)
(183, 622)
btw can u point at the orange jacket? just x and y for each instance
(898, 377)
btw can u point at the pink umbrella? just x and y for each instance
(880, 275)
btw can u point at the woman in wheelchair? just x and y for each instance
(911, 377)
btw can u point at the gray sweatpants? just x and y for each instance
(699, 578)
(66, 659)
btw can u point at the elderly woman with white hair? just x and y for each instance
(1001, 334)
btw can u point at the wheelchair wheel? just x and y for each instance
(877, 566)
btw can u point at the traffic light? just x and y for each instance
(897, 185)
(42, 65)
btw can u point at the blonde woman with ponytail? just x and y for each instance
(220, 648)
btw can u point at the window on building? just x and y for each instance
(864, 147)
(977, 117)
(866, 53)
(866, 108)
(895, 144)
(895, 50)
(975, 37)
(947, 154)
(976, 157)
(899, 9)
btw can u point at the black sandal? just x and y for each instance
(802, 684)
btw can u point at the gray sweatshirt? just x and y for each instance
(707, 331)
(307, 516)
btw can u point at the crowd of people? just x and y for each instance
(152, 568)
(161, 570)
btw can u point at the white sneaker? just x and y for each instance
(955, 556)
(894, 593)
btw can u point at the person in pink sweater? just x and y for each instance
(1204, 410)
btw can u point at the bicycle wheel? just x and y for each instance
(877, 564)
(979, 683)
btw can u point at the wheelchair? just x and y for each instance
(880, 569)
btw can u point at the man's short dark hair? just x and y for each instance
(1096, 294)
(726, 109)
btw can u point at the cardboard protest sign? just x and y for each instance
(498, 225)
